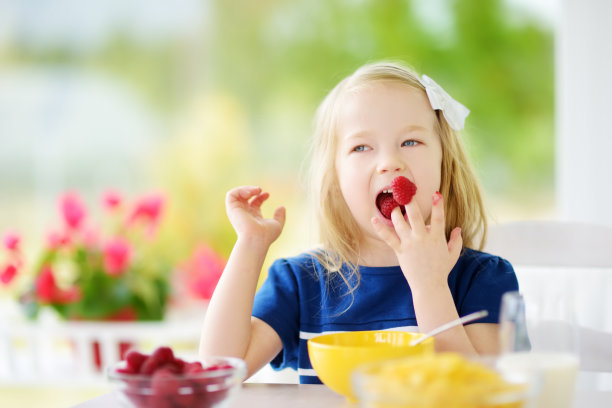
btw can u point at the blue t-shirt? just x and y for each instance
(299, 303)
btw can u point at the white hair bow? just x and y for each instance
(454, 112)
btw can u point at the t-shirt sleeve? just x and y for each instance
(492, 277)
(277, 304)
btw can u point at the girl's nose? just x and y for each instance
(390, 162)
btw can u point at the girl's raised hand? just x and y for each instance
(243, 206)
(424, 255)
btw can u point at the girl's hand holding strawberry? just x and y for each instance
(426, 258)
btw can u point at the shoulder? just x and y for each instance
(302, 265)
(473, 259)
(479, 280)
(473, 264)
(303, 260)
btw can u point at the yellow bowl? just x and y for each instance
(335, 356)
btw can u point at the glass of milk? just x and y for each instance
(539, 336)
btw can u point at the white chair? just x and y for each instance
(552, 243)
(574, 260)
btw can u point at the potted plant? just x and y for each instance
(109, 270)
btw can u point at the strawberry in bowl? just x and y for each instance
(162, 380)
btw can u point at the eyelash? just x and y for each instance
(411, 141)
(363, 148)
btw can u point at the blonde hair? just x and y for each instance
(338, 230)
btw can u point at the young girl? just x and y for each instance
(414, 270)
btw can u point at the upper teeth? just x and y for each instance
(388, 191)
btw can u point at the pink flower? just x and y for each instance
(73, 210)
(45, 285)
(117, 254)
(11, 242)
(112, 200)
(8, 273)
(203, 271)
(56, 240)
(148, 209)
(47, 290)
(90, 238)
(69, 295)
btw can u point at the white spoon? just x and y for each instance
(467, 318)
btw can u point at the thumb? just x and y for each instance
(455, 243)
(280, 215)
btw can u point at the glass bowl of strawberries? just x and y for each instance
(162, 380)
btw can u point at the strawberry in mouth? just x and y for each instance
(386, 204)
(401, 193)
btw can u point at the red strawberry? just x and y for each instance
(193, 368)
(149, 366)
(187, 400)
(179, 364)
(202, 383)
(153, 401)
(164, 354)
(160, 356)
(134, 360)
(218, 367)
(403, 190)
(171, 367)
(164, 382)
(386, 204)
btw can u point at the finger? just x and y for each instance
(417, 223)
(258, 200)
(241, 194)
(436, 220)
(385, 233)
(399, 222)
(455, 243)
(280, 215)
(246, 192)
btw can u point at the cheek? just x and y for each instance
(350, 190)
(425, 204)
(348, 176)
(427, 184)
(353, 191)
(344, 186)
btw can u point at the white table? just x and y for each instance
(307, 396)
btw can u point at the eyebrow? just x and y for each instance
(366, 132)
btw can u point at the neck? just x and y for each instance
(374, 252)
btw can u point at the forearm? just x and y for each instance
(434, 307)
(227, 324)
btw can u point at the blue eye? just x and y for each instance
(360, 148)
(410, 143)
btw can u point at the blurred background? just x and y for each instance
(194, 97)
(190, 98)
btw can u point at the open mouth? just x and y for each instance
(386, 204)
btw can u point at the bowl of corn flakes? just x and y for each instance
(441, 380)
